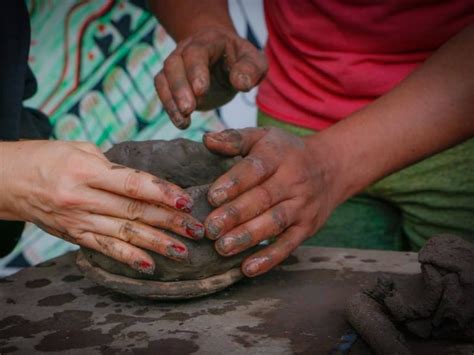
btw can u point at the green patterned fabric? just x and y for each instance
(402, 210)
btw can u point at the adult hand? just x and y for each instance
(70, 190)
(205, 71)
(279, 189)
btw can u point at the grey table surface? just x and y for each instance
(295, 309)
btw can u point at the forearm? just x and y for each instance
(181, 18)
(431, 110)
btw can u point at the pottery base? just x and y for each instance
(157, 290)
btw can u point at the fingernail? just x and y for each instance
(253, 267)
(195, 231)
(244, 81)
(144, 267)
(218, 196)
(178, 120)
(214, 227)
(184, 106)
(177, 251)
(225, 245)
(226, 136)
(184, 204)
(199, 86)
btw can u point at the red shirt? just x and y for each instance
(329, 58)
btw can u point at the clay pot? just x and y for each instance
(191, 166)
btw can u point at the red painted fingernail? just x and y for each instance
(177, 251)
(145, 267)
(195, 231)
(184, 204)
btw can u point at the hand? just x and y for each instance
(205, 71)
(279, 189)
(70, 190)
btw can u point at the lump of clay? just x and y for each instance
(189, 165)
(438, 303)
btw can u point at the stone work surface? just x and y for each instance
(296, 309)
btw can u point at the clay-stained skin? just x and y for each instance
(227, 245)
(276, 190)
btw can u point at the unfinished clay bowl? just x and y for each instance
(191, 166)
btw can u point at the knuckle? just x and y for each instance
(170, 62)
(246, 238)
(193, 49)
(132, 184)
(264, 196)
(287, 247)
(232, 212)
(280, 217)
(135, 209)
(127, 232)
(79, 238)
(159, 80)
(63, 198)
(91, 148)
(258, 165)
(175, 220)
(106, 244)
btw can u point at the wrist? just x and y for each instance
(8, 177)
(333, 162)
(182, 19)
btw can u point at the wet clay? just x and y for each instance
(436, 304)
(189, 165)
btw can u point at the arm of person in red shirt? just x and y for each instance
(287, 186)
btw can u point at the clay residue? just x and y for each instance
(37, 283)
(56, 300)
(436, 304)
(72, 278)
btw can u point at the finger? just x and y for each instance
(116, 249)
(140, 235)
(140, 186)
(196, 62)
(244, 175)
(275, 253)
(180, 88)
(249, 68)
(271, 223)
(164, 93)
(243, 208)
(104, 203)
(233, 142)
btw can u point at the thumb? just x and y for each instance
(249, 68)
(232, 142)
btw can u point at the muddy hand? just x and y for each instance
(205, 71)
(277, 190)
(72, 191)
